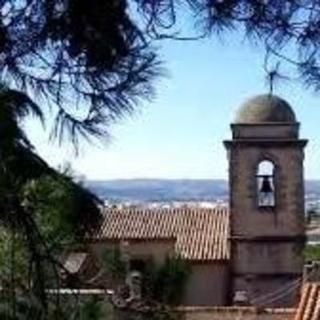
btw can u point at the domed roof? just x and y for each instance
(265, 108)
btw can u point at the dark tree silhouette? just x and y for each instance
(21, 169)
(289, 30)
(87, 59)
(20, 164)
(91, 61)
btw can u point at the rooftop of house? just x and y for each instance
(198, 234)
(309, 305)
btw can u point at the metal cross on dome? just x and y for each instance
(272, 76)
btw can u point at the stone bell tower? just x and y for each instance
(266, 203)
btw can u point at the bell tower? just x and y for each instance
(266, 203)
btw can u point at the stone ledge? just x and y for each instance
(231, 309)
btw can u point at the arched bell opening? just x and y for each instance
(265, 184)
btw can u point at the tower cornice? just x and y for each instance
(276, 142)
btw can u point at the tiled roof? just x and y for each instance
(199, 234)
(309, 306)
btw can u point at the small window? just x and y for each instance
(265, 184)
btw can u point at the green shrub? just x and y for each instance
(163, 284)
(312, 252)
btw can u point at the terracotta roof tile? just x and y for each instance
(309, 306)
(200, 234)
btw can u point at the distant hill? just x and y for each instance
(172, 189)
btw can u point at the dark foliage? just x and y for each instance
(312, 253)
(32, 263)
(289, 30)
(20, 164)
(162, 285)
(170, 281)
(88, 60)
(92, 61)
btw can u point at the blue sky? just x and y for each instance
(179, 134)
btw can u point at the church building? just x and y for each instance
(247, 253)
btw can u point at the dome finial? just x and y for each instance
(272, 76)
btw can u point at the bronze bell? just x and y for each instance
(266, 185)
